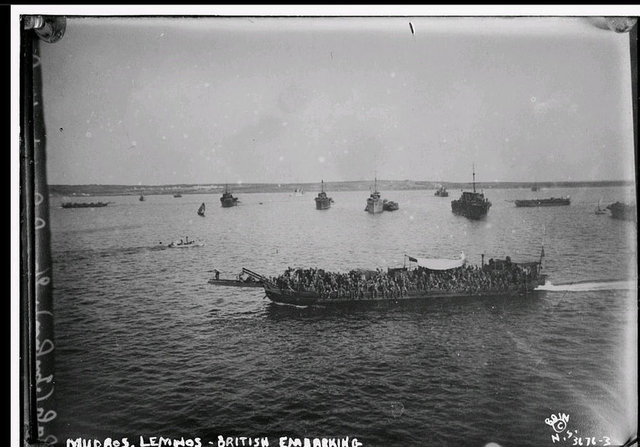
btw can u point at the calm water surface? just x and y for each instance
(146, 347)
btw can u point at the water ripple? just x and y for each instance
(146, 346)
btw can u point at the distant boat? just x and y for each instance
(623, 211)
(84, 205)
(201, 210)
(534, 187)
(141, 198)
(472, 205)
(553, 201)
(298, 192)
(185, 244)
(374, 202)
(177, 195)
(390, 205)
(227, 200)
(441, 192)
(323, 202)
(599, 209)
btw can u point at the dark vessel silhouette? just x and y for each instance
(553, 201)
(472, 205)
(390, 205)
(623, 211)
(441, 192)
(227, 200)
(84, 204)
(201, 210)
(323, 202)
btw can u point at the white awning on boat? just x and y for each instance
(439, 264)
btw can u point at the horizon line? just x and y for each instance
(346, 181)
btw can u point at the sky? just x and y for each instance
(160, 100)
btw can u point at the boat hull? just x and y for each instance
(542, 202)
(235, 283)
(323, 204)
(470, 210)
(199, 244)
(309, 298)
(228, 203)
(623, 215)
(374, 206)
(85, 205)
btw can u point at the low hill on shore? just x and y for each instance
(357, 185)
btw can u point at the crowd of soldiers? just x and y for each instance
(398, 283)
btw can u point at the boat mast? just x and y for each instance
(473, 168)
(544, 232)
(322, 185)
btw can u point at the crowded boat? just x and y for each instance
(427, 279)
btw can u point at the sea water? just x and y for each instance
(146, 348)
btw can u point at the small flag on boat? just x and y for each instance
(412, 259)
(542, 252)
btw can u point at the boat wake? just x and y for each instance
(587, 286)
(285, 305)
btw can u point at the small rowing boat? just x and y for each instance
(235, 283)
(252, 279)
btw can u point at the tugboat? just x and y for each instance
(472, 205)
(322, 201)
(227, 200)
(390, 205)
(442, 192)
(375, 204)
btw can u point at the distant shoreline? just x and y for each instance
(358, 185)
